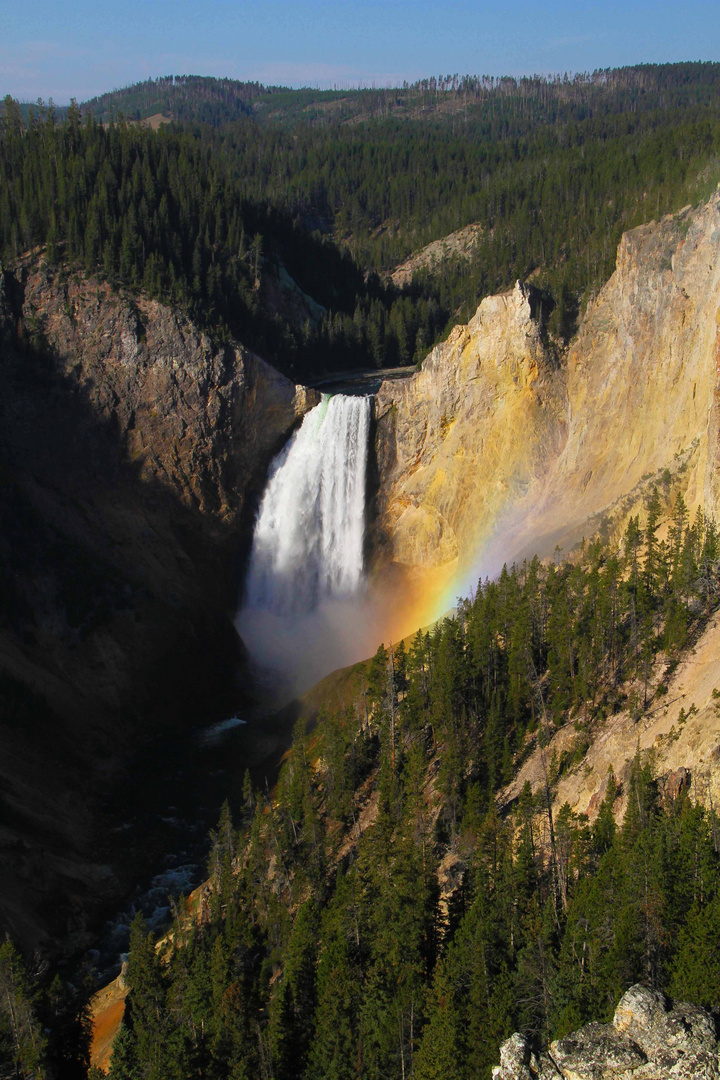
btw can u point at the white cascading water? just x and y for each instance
(306, 566)
(308, 540)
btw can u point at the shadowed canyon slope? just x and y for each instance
(501, 447)
(132, 451)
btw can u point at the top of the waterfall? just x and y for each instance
(361, 383)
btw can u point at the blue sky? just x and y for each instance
(79, 49)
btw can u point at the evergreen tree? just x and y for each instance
(22, 1040)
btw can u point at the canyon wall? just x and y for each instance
(460, 442)
(502, 445)
(132, 453)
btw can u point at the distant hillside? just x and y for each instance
(444, 98)
(276, 214)
(185, 97)
(552, 170)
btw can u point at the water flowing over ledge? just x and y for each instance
(308, 541)
(305, 581)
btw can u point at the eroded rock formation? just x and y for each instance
(464, 438)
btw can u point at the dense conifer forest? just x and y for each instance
(325, 950)
(334, 189)
(324, 953)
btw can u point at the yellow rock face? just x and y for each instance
(499, 448)
(452, 442)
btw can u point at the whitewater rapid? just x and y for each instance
(305, 581)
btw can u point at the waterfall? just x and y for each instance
(306, 564)
(308, 540)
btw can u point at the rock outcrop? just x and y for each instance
(132, 451)
(650, 1038)
(459, 245)
(499, 447)
(199, 418)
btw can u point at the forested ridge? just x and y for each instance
(537, 98)
(330, 952)
(213, 213)
(379, 913)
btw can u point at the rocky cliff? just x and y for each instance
(650, 1038)
(132, 450)
(463, 440)
(501, 445)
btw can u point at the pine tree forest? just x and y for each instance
(214, 211)
(324, 945)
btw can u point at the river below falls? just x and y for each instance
(173, 800)
(302, 616)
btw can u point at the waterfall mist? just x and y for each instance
(306, 611)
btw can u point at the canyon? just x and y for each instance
(134, 452)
